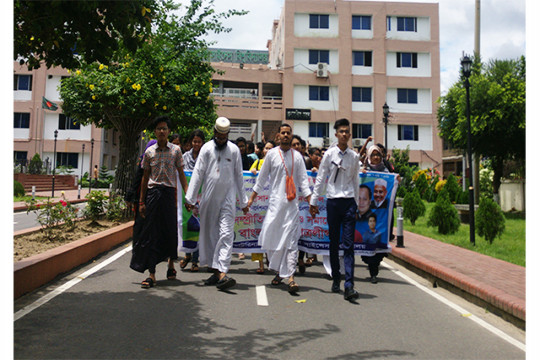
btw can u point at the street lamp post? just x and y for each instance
(466, 65)
(90, 171)
(54, 168)
(82, 166)
(386, 111)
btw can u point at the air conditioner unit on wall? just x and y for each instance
(357, 143)
(322, 70)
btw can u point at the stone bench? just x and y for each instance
(463, 211)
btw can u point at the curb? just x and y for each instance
(35, 271)
(505, 305)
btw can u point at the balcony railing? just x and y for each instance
(249, 102)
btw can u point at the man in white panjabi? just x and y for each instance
(219, 170)
(281, 226)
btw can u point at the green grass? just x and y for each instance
(509, 247)
(27, 198)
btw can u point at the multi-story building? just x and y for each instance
(332, 59)
(327, 59)
(34, 126)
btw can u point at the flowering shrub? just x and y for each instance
(440, 184)
(50, 215)
(95, 206)
(116, 208)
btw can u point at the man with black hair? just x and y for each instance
(246, 160)
(339, 170)
(219, 170)
(158, 238)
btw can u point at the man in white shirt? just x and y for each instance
(219, 170)
(281, 226)
(339, 170)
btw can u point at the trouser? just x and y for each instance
(373, 263)
(283, 261)
(341, 216)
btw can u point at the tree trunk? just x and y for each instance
(498, 166)
(129, 151)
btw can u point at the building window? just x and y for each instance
(388, 23)
(67, 123)
(361, 22)
(362, 58)
(361, 131)
(408, 132)
(406, 24)
(67, 159)
(319, 56)
(407, 96)
(361, 94)
(319, 93)
(22, 82)
(318, 130)
(20, 156)
(318, 21)
(407, 60)
(21, 120)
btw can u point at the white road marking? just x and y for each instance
(262, 300)
(59, 290)
(459, 309)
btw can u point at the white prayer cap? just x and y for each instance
(223, 125)
(381, 182)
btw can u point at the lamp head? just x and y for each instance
(466, 65)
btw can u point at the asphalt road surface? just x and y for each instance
(100, 312)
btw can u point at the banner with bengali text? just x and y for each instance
(372, 230)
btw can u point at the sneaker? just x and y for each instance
(212, 280)
(225, 283)
(335, 286)
(350, 294)
(374, 280)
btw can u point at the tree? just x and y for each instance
(60, 32)
(167, 75)
(413, 206)
(489, 219)
(444, 215)
(497, 98)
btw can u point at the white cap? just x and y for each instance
(223, 125)
(380, 181)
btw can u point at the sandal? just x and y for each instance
(293, 287)
(301, 267)
(309, 262)
(260, 271)
(277, 280)
(148, 283)
(185, 261)
(194, 267)
(171, 274)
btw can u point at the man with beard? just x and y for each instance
(219, 170)
(379, 194)
(281, 226)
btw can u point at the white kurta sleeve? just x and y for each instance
(264, 173)
(239, 180)
(301, 176)
(320, 181)
(197, 177)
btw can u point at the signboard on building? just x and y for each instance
(298, 114)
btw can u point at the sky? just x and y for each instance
(502, 29)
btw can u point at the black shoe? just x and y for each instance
(350, 294)
(374, 280)
(335, 286)
(225, 283)
(212, 280)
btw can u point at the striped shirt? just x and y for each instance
(163, 164)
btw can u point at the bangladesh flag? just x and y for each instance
(49, 105)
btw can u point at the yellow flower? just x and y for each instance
(203, 83)
(196, 93)
(124, 91)
(156, 104)
(136, 86)
(127, 80)
(163, 83)
(91, 87)
(177, 87)
(163, 77)
(143, 101)
(164, 107)
(151, 75)
(78, 72)
(161, 68)
(101, 66)
(31, 38)
(93, 97)
(69, 71)
(211, 90)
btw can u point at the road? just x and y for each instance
(102, 313)
(22, 220)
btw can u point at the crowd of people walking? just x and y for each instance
(217, 168)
